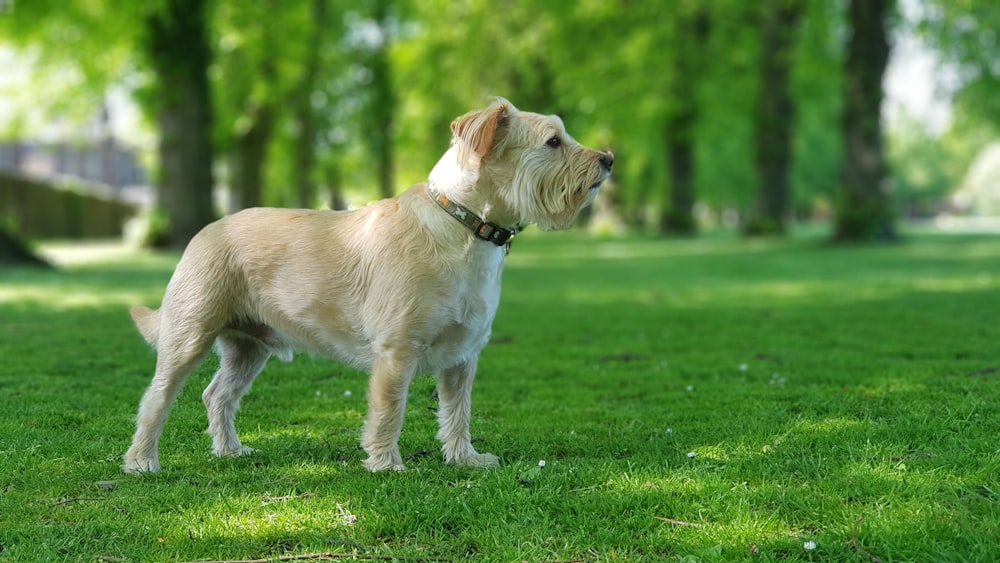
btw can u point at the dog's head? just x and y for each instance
(535, 170)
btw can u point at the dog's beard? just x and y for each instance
(553, 202)
(570, 201)
(591, 195)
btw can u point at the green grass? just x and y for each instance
(843, 396)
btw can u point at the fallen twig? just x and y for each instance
(325, 557)
(308, 556)
(80, 499)
(266, 499)
(678, 522)
(853, 542)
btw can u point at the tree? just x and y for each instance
(247, 92)
(179, 54)
(95, 43)
(305, 116)
(817, 90)
(964, 33)
(690, 29)
(382, 98)
(774, 118)
(864, 212)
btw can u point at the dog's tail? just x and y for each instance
(148, 323)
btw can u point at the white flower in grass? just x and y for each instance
(348, 393)
(541, 463)
(689, 388)
(809, 545)
(691, 455)
(744, 367)
(670, 430)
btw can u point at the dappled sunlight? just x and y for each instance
(712, 295)
(89, 275)
(77, 253)
(733, 273)
(70, 296)
(281, 519)
(817, 500)
(956, 284)
(825, 426)
(536, 250)
(755, 293)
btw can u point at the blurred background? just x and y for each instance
(151, 119)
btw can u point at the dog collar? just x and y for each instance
(481, 228)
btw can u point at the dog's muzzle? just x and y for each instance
(606, 160)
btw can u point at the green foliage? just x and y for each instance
(693, 400)
(922, 178)
(79, 49)
(153, 228)
(965, 33)
(615, 73)
(763, 226)
(816, 81)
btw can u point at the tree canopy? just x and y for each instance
(719, 111)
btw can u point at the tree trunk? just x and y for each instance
(305, 115)
(336, 189)
(774, 118)
(691, 32)
(305, 157)
(678, 218)
(383, 105)
(864, 212)
(248, 161)
(179, 53)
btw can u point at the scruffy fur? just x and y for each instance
(398, 288)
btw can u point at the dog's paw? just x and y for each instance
(235, 452)
(477, 460)
(382, 462)
(137, 466)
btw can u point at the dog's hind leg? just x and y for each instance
(241, 359)
(178, 352)
(455, 396)
(390, 379)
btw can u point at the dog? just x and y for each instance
(406, 285)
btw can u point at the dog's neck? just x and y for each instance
(480, 228)
(467, 187)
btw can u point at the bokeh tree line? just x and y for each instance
(718, 110)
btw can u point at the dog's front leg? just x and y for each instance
(454, 412)
(391, 374)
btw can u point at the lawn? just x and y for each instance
(710, 399)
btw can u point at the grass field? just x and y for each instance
(705, 400)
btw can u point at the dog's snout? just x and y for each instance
(607, 160)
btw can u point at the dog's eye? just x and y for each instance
(554, 142)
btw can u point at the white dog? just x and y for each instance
(404, 286)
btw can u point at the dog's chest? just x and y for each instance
(466, 315)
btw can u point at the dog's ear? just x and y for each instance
(477, 131)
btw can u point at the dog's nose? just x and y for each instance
(607, 160)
